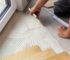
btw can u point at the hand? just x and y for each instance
(35, 11)
(64, 32)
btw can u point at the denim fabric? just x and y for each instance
(62, 8)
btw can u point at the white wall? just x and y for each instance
(21, 4)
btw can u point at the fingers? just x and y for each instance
(69, 24)
(62, 28)
(68, 29)
(63, 32)
(35, 12)
(30, 12)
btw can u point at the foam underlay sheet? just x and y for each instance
(64, 21)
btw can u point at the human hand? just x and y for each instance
(64, 32)
(35, 11)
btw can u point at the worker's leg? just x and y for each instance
(61, 8)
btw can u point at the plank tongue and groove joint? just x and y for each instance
(33, 53)
(43, 55)
(23, 54)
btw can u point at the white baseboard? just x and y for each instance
(21, 4)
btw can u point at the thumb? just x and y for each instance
(30, 12)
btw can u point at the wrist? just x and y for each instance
(35, 8)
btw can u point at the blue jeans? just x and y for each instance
(62, 8)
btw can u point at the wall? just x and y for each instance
(21, 4)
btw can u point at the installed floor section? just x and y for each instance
(23, 31)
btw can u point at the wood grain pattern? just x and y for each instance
(62, 56)
(23, 54)
(33, 53)
(43, 55)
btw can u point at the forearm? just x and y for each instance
(40, 3)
